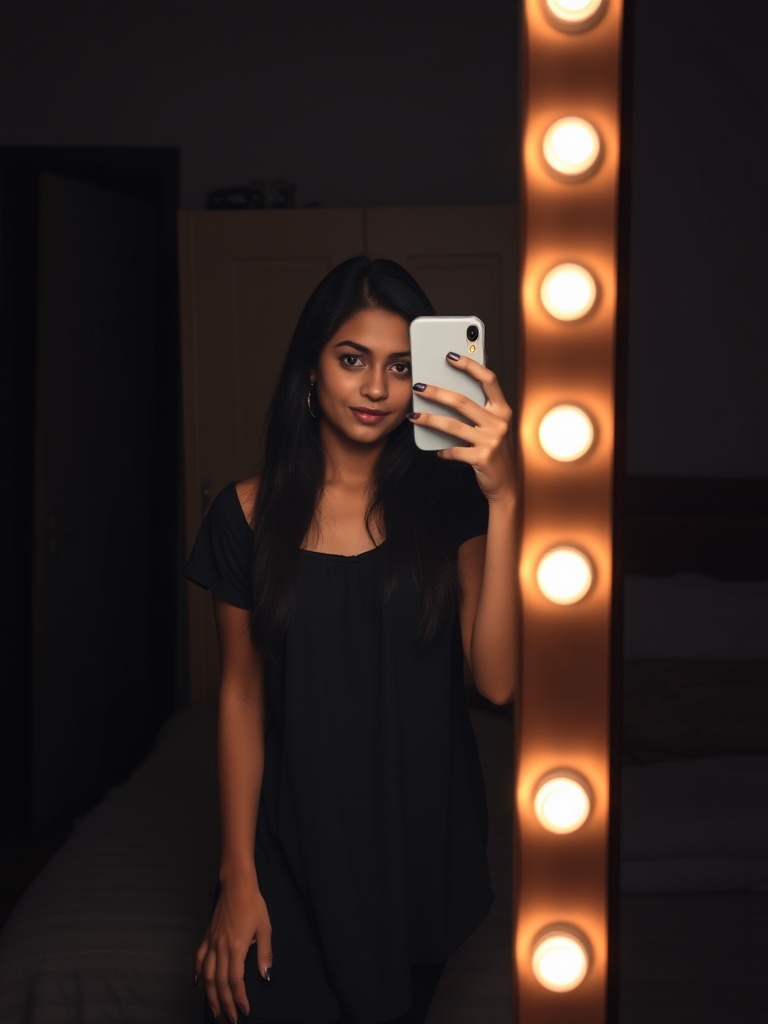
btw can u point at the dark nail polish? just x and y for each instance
(267, 974)
(244, 1012)
(413, 415)
(454, 356)
(419, 387)
(195, 981)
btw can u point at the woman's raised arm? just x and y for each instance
(486, 565)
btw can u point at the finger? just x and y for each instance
(209, 977)
(264, 954)
(199, 960)
(237, 982)
(486, 377)
(458, 454)
(456, 428)
(223, 989)
(458, 402)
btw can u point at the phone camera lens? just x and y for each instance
(472, 333)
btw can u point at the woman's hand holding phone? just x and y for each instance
(488, 435)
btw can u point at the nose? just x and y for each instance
(374, 385)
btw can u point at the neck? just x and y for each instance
(347, 463)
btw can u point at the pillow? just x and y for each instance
(707, 807)
(693, 874)
(693, 616)
(674, 708)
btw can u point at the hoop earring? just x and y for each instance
(309, 400)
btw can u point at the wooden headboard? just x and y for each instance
(717, 527)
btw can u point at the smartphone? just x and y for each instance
(432, 338)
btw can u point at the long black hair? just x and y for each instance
(409, 485)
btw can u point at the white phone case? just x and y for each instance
(432, 338)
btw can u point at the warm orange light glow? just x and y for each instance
(574, 15)
(568, 464)
(562, 801)
(566, 433)
(571, 147)
(564, 575)
(561, 958)
(568, 291)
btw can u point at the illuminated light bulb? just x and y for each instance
(574, 15)
(562, 801)
(566, 433)
(571, 147)
(564, 575)
(561, 957)
(568, 291)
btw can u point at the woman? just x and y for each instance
(347, 580)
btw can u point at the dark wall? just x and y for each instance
(388, 102)
(698, 345)
(416, 102)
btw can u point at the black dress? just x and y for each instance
(372, 826)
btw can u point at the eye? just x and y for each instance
(350, 360)
(402, 369)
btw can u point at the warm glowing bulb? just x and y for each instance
(564, 575)
(566, 433)
(571, 146)
(568, 291)
(560, 958)
(574, 15)
(562, 801)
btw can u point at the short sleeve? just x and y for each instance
(221, 556)
(471, 507)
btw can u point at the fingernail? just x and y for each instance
(419, 387)
(242, 1010)
(267, 974)
(195, 981)
(454, 356)
(413, 415)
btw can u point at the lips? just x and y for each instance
(372, 416)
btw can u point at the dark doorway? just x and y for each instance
(89, 422)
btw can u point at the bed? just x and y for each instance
(694, 777)
(108, 929)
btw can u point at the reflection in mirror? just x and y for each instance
(369, 108)
(695, 721)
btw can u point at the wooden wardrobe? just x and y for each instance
(244, 278)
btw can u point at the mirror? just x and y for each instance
(361, 105)
(696, 598)
(416, 104)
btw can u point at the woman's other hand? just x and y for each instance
(489, 432)
(240, 919)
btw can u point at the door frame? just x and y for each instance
(150, 173)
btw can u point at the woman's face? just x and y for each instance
(363, 377)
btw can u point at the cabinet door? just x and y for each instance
(465, 259)
(244, 278)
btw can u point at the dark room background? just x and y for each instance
(364, 104)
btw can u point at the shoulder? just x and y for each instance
(247, 491)
(221, 555)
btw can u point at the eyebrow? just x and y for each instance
(367, 352)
